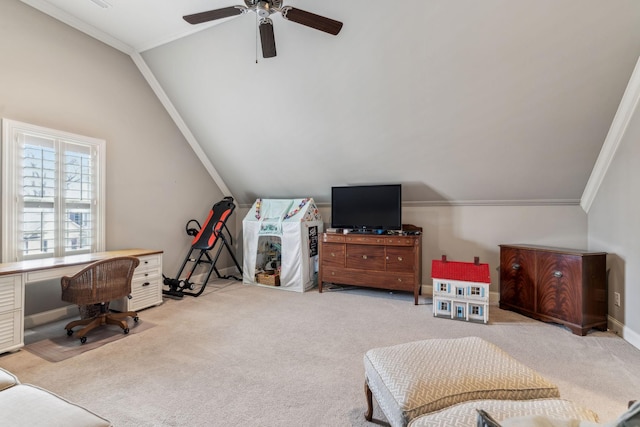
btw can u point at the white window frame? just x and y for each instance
(11, 168)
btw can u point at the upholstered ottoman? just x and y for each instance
(416, 378)
(27, 405)
(466, 415)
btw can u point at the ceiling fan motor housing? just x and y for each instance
(264, 8)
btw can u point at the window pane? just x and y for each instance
(38, 231)
(38, 168)
(78, 194)
(78, 172)
(78, 229)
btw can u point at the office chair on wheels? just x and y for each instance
(93, 287)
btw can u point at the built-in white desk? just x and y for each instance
(146, 286)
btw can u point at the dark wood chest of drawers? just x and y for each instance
(375, 261)
(557, 285)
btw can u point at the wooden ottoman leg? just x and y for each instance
(367, 391)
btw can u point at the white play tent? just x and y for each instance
(280, 240)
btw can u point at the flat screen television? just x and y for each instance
(367, 207)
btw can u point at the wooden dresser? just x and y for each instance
(370, 260)
(564, 286)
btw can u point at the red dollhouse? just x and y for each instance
(461, 289)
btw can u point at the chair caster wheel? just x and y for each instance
(69, 332)
(135, 319)
(83, 340)
(126, 330)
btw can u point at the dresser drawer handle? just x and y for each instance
(399, 279)
(333, 273)
(399, 258)
(332, 254)
(557, 274)
(364, 257)
(146, 284)
(515, 266)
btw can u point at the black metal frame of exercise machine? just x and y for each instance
(205, 240)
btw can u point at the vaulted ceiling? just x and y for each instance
(461, 101)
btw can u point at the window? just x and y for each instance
(460, 292)
(52, 192)
(443, 287)
(475, 310)
(444, 306)
(475, 290)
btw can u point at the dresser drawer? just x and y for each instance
(393, 280)
(400, 259)
(365, 240)
(365, 257)
(333, 254)
(399, 241)
(337, 238)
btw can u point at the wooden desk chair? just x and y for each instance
(94, 287)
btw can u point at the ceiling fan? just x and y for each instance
(264, 8)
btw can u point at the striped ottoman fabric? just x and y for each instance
(465, 414)
(412, 379)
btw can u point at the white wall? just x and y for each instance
(614, 227)
(462, 232)
(52, 75)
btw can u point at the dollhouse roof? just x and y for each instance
(462, 271)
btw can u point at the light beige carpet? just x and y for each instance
(247, 356)
(53, 344)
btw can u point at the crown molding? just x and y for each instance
(626, 109)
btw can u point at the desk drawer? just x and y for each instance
(10, 293)
(150, 262)
(11, 332)
(146, 285)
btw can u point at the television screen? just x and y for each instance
(367, 207)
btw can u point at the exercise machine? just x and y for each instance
(206, 238)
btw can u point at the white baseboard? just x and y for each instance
(625, 333)
(49, 316)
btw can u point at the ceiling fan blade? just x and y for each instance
(211, 15)
(267, 38)
(312, 20)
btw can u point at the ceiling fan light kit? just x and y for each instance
(263, 9)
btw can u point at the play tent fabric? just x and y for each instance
(298, 224)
